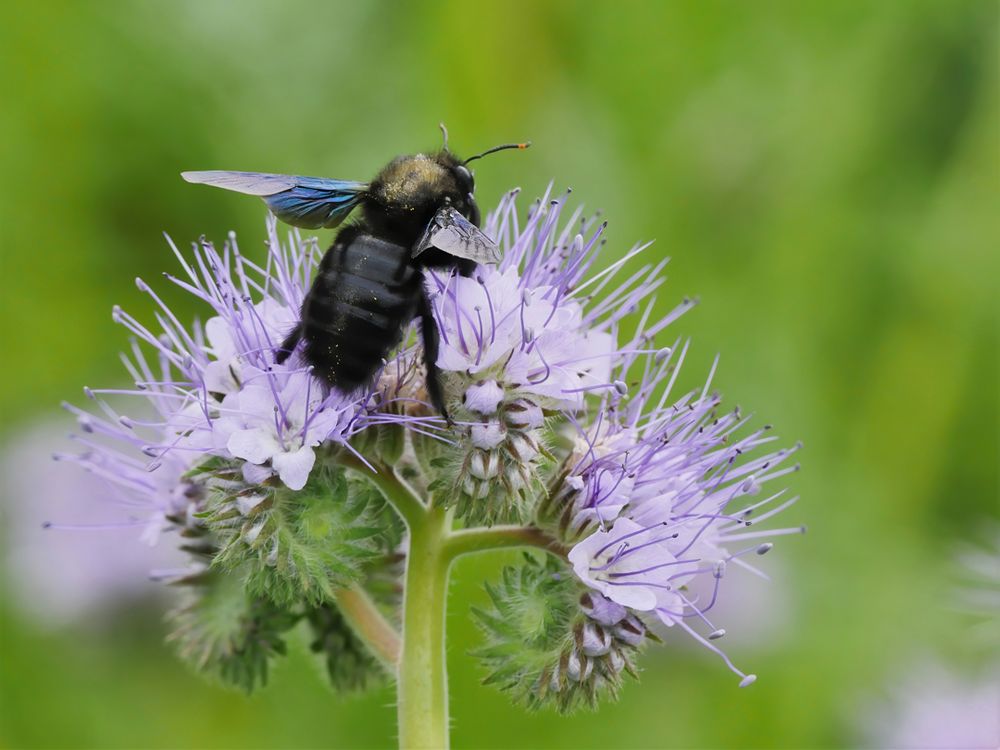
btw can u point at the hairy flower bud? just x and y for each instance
(295, 546)
(488, 435)
(483, 397)
(224, 632)
(567, 658)
(523, 414)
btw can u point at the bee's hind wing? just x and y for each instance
(308, 202)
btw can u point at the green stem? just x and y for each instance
(366, 620)
(422, 677)
(403, 497)
(422, 687)
(467, 541)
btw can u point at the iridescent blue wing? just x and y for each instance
(309, 202)
(452, 233)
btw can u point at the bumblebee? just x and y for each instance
(419, 212)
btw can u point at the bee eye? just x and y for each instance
(466, 175)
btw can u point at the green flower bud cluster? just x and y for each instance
(552, 642)
(224, 632)
(348, 663)
(496, 475)
(266, 558)
(299, 545)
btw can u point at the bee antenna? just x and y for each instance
(504, 147)
(444, 132)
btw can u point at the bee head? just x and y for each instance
(409, 190)
(461, 194)
(464, 177)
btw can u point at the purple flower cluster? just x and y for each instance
(656, 493)
(536, 335)
(654, 496)
(659, 495)
(215, 391)
(536, 327)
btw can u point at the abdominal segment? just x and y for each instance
(364, 295)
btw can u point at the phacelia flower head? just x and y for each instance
(657, 499)
(213, 391)
(653, 495)
(558, 422)
(535, 335)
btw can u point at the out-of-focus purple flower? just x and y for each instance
(63, 559)
(215, 389)
(933, 707)
(660, 495)
(978, 592)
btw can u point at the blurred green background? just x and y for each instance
(824, 176)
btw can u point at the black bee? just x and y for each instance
(419, 212)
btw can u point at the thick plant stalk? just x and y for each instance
(421, 667)
(422, 697)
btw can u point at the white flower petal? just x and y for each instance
(257, 404)
(220, 338)
(218, 376)
(253, 445)
(293, 468)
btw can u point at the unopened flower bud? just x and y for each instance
(248, 503)
(617, 660)
(484, 464)
(554, 681)
(578, 667)
(596, 641)
(484, 397)
(524, 415)
(522, 447)
(601, 609)
(515, 477)
(631, 631)
(488, 436)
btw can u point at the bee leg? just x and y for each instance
(284, 351)
(431, 339)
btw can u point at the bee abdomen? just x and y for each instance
(362, 299)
